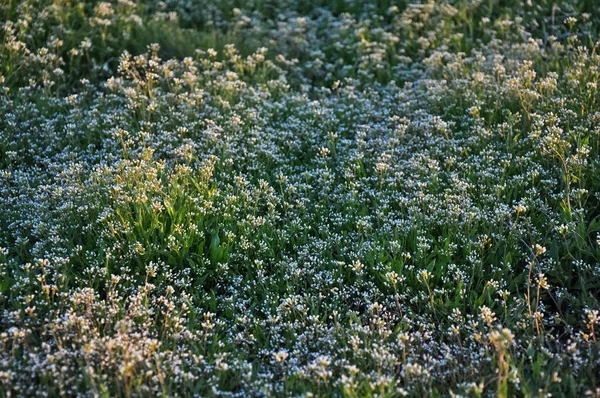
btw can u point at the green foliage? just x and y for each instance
(299, 198)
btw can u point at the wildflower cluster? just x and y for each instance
(299, 198)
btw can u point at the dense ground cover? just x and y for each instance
(299, 198)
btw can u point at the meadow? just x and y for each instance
(299, 198)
